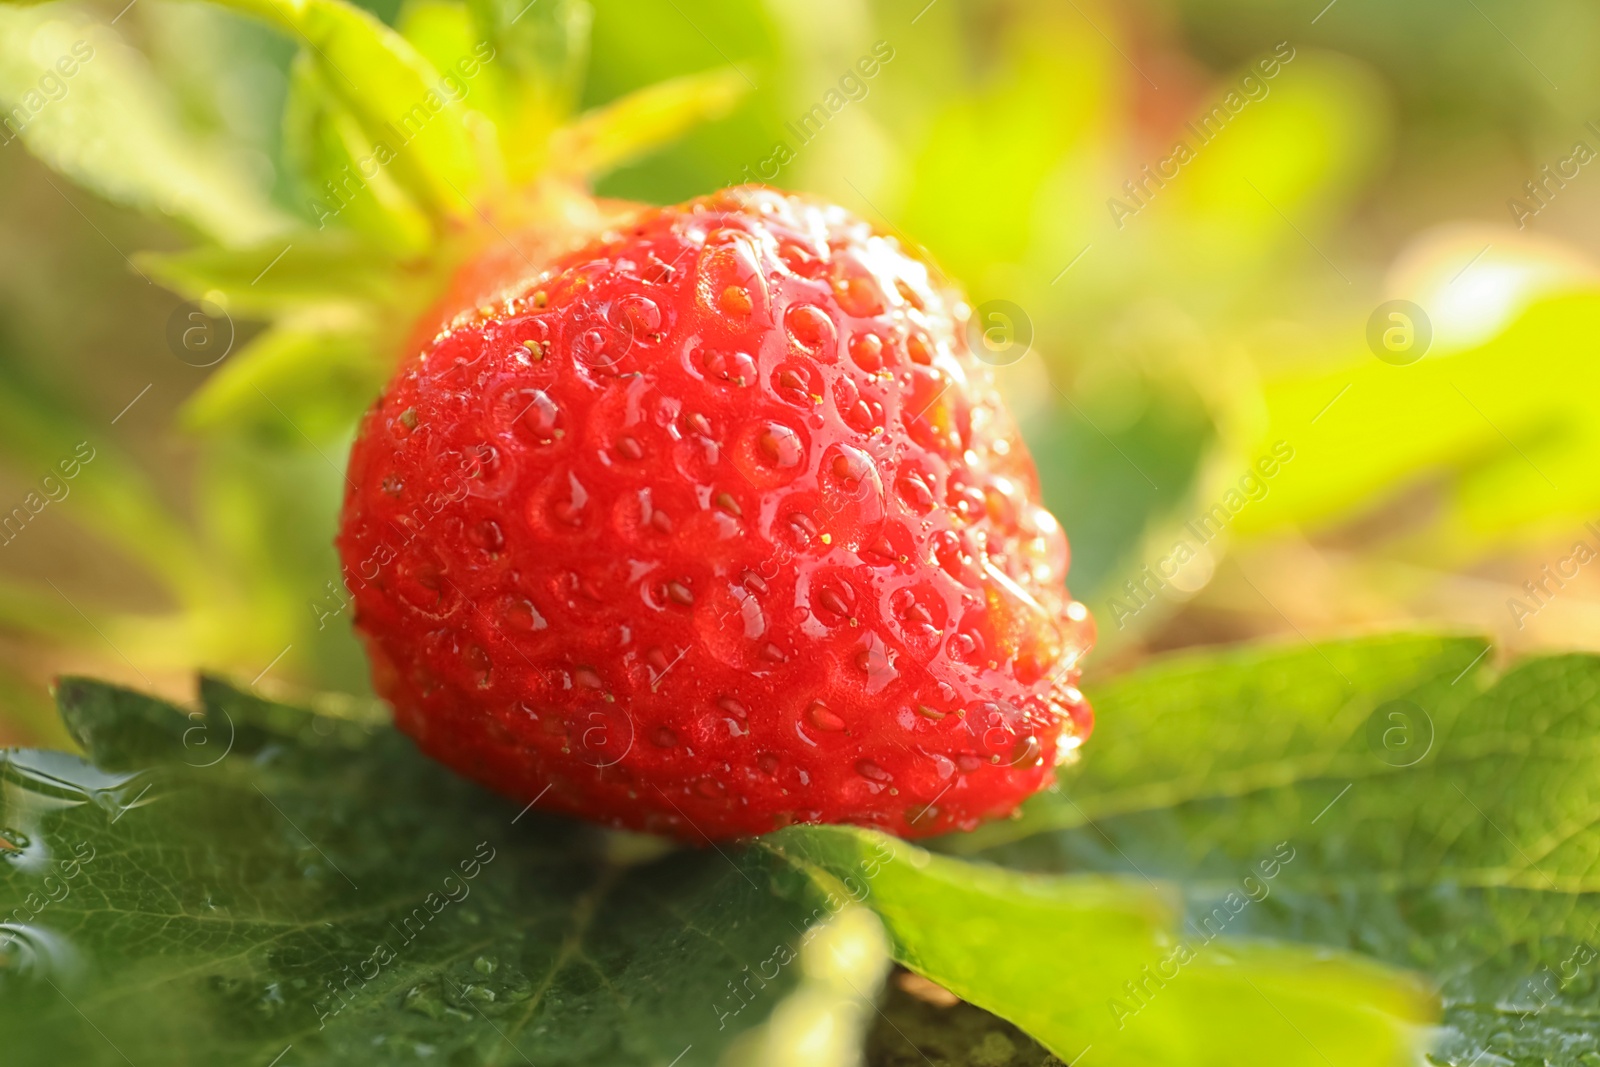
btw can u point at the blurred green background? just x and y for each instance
(1364, 152)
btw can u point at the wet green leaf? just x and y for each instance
(281, 875)
(1390, 795)
(1053, 954)
(234, 883)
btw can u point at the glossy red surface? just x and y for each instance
(714, 526)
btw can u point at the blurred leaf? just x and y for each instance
(472, 72)
(995, 148)
(540, 50)
(315, 372)
(418, 130)
(30, 717)
(225, 73)
(1509, 457)
(110, 126)
(1108, 485)
(1269, 184)
(103, 489)
(266, 502)
(1052, 955)
(299, 269)
(946, 1030)
(1387, 794)
(544, 43)
(253, 878)
(635, 46)
(334, 159)
(440, 30)
(607, 137)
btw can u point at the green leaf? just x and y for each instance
(1511, 460)
(297, 270)
(241, 881)
(332, 158)
(414, 121)
(90, 107)
(446, 35)
(607, 137)
(1436, 817)
(540, 51)
(1053, 954)
(245, 872)
(306, 378)
(544, 43)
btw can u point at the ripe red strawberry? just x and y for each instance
(712, 526)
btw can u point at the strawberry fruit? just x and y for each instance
(710, 524)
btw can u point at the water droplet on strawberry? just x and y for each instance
(780, 446)
(730, 281)
(966, 646)
(823, 718)
(919, 349)
(812, 331)
(487, 535)
(872, 772)
(1027, 752)
(520, 614)
(836, 599)
(638, 317)
(734, 369)
(866, 351)
(568, 500)
(797, 384)
(858, 293)
(915, 491)
(541, 417)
